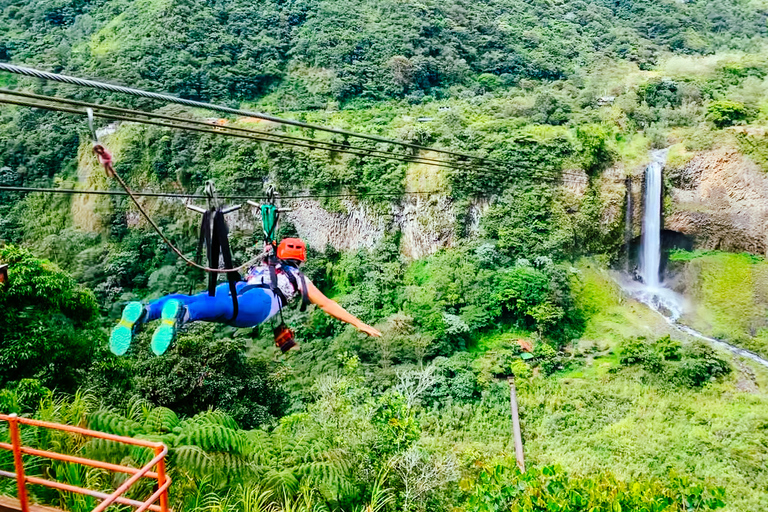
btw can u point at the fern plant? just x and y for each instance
(286, 462)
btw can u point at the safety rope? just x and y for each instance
(105, 159)
(20, 70)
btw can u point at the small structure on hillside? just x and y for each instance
(603, 101)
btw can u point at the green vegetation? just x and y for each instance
(727, 291)
(724, 113)
(619, 412)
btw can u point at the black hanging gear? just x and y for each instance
(214, 235)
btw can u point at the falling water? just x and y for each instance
(651, 243)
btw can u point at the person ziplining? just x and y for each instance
(273, 280)
(258, 300)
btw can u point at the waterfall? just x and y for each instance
(651, 241)
(651, 293)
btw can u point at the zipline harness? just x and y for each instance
(214, 235)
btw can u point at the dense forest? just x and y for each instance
(619, 410)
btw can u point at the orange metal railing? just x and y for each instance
(163, 481)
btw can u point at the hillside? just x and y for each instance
(620, 410)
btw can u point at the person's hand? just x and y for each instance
(370, 331)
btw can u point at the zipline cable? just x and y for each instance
(106, 160)
(172, 195)
(193, 124)
(20, 70)
(203, 127)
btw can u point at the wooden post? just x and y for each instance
(628, 222)
(516, 424)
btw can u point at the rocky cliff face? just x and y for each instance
(426, 224)
(720, 198)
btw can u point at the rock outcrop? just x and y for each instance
(720, 198)
(426, 224)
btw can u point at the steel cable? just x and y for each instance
(10, 188)
(106, 160)
(73, 107)
(256, 134)
(21, 70)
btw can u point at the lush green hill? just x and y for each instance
(323, 50)
(619, 412)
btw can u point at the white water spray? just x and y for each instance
(651, 242)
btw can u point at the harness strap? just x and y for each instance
(214, 235)
(221, 241)
(273, 283)
(302, 289)
(304, 293)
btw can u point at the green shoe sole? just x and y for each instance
(122, 334)
(166, 332)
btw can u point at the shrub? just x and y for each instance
(496, 487)
(48, 327)
(691, 366)
(724, 113)
(633, 351)
(596, 154)
(668, 348)
(700, 364)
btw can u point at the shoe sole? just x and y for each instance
(122, 334)
(166, 332)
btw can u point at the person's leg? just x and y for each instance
(175, 311)
(136, 313)
(122, 334)
(253, 307)
(211, 309)
(155, 308)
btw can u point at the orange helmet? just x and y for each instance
(292, 249)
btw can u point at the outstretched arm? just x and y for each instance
(333, 308)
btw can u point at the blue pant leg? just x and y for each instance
(155, 308)
(211, 309)
(253, 307)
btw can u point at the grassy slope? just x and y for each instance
(591, 419)
(727, 294)
(596, 416)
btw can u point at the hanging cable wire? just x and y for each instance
(11, 68)
(105, 158)
(172, 195)
(120, 114)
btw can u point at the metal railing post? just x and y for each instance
(161, 479)
(21, 481)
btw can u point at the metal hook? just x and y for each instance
(271, 193)
(212, 200)
(211, 196)
(95, 138)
